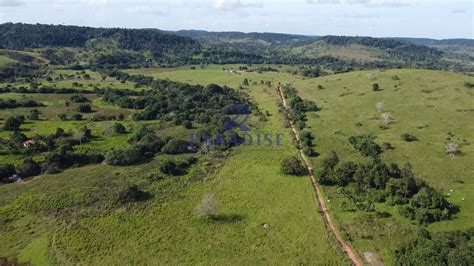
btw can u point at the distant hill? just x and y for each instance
(270, 38)
(77, 46)
(368, 49)
(20, 36)
(433, 42)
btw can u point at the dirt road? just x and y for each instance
(348, 250)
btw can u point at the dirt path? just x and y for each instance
(350, 252)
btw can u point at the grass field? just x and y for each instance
(72, 217)
(432, 105)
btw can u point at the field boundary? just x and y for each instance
(347, 249)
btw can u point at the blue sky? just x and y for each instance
(379, 18)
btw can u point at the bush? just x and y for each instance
(62, 116)
(84, 108)
(375, 87)
(29, 168)
(12, 124)
(79, 98)
(293, 166)
(131, 193)
(176, 146)
(119, 128)
(170, 167)
(6, 171)
(409, 138)
(366, 145)
(77, 117)
(187, 124)
(123, 157)
(208, 207)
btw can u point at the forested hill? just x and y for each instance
(394, 49)
(87, 47)
(433, 42)
(271, 38)
(19, 36)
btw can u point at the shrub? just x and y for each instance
(131, 193)
(119, 128)
(451, 148)
(79, 98)
(123, 157)
(187, 124)
(331, 161)
(409, 138)
(77, 117)
(62, 116)
(170, 167)
(176, 146)
(292, 166)
(208, 207)
(375, 87)
(29, 168)
(6, 171)
(84, 108)
(366, 145)
(34, 114)
(12, 124)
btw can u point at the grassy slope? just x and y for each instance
(349, 52)
(249, 186)
(422, 97)
(437, 100)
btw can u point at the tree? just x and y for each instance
(6, 171)
(79, 98)
(409, 138)
(29, 168)
(451, 148)
(379, 106)
(131, 193)
(84, 108)
(123, 157)
(170, 167)
(77, 117)
(387, 118)
(208, 207)
(119, 128)
(12, 124)
(62, 116)
(292, 166)
(375, 87)
(245, 82)
(176, 146)
(187, 124)
(34, 114)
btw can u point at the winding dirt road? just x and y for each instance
(348, 250)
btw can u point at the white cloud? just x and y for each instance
(11, 3)
(323, 1)
(145, 9)
(235, 4)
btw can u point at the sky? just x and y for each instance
(439, 19)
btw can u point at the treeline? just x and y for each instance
(364, 184)
(298, 108)
(12, 103)
(21, 36)
(446, 248)
(397, 49)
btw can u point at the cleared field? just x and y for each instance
(434, 106)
